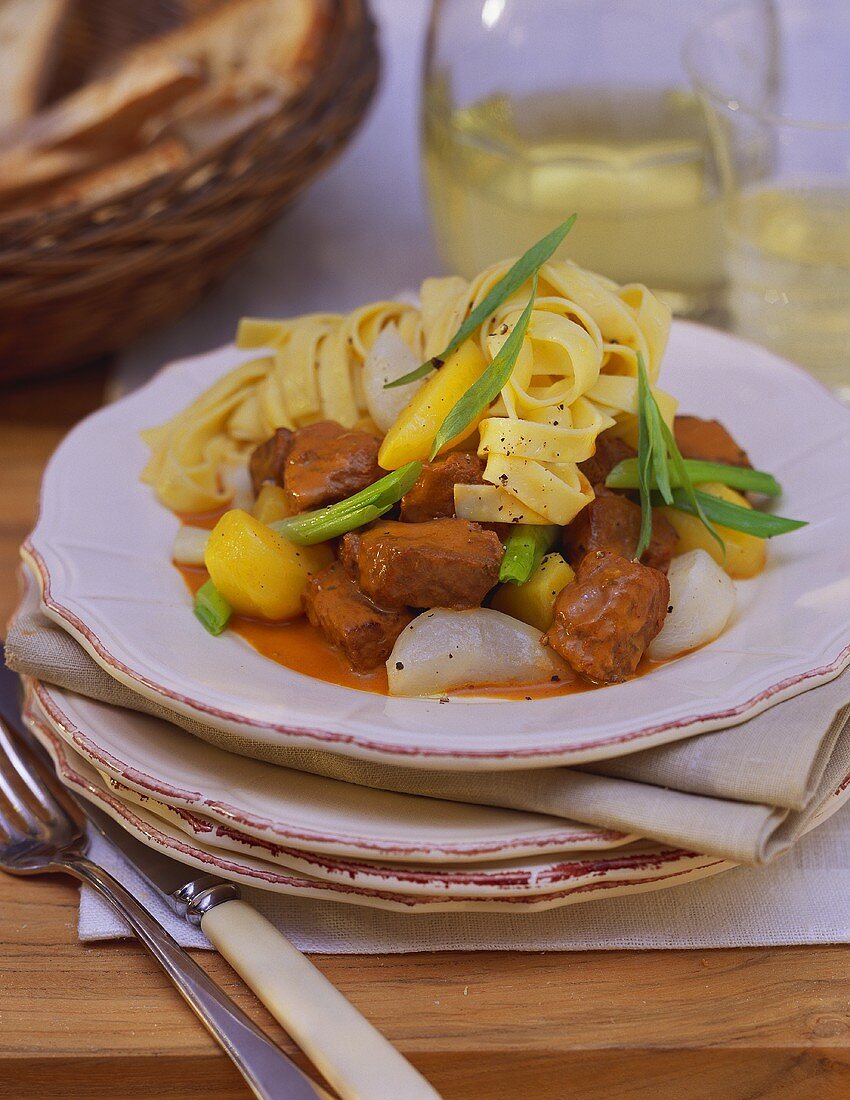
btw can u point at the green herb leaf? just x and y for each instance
(764, 525)
(625, 476)
(524, 549)
(420, 372)
(485, 391)
(355, 511)
(211, 608)
(527, 265)
(687, 487)
(644, 459)
(657, 452)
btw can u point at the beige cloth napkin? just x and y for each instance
(745, 793)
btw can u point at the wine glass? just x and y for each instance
(777, 92)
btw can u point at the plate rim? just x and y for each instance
(297, 886)
(479, 879)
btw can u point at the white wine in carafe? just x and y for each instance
(636, 166)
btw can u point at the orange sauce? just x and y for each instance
(575, 686)
(300, 646)
(297, 645)
(207, 520)
(572, 686)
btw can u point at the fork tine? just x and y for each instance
(39, 796)
(16, 808)
(30, 806)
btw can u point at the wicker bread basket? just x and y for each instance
(85, 280)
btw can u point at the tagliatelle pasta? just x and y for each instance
(490, 504)
(576, 376)
(310, 371)
(584, 334)
(191, 453)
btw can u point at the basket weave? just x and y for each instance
(80, 282)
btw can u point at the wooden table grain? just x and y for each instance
(102, 1022)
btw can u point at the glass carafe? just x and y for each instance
(533, 109)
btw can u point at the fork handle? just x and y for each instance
(268, 1071)
(348, 1051)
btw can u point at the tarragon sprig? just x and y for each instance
(658, 452)
(525, 267)
(663, 476)
(488, 387)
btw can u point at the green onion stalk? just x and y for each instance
(525, 548)
(525, 268)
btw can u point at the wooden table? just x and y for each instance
(102, 1022)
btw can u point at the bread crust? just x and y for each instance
(164, 102)
(103, 184)
(30, 31)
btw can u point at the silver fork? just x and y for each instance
(41, 830)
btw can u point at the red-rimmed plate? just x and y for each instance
(652, 870)
(657, 868)
(294, 810)
(101, 553)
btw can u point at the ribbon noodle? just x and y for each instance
(575, 376)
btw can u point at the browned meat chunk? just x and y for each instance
(608, 615)
(365, 633)
(612, 522)
(441, 563)
(609, 452)
(433, 494)
(349, 550)
(267, 461)
(708, 440)
(327, 463)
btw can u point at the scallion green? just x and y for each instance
(625, 476)
(525, 267)
(525, 547)
(355, 511)
(211, 608)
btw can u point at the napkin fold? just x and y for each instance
(746, 793)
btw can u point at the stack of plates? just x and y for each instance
(100, 555)
(304, 834)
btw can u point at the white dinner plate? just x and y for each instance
(101, 553)
(292, 809)
(528, 876)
